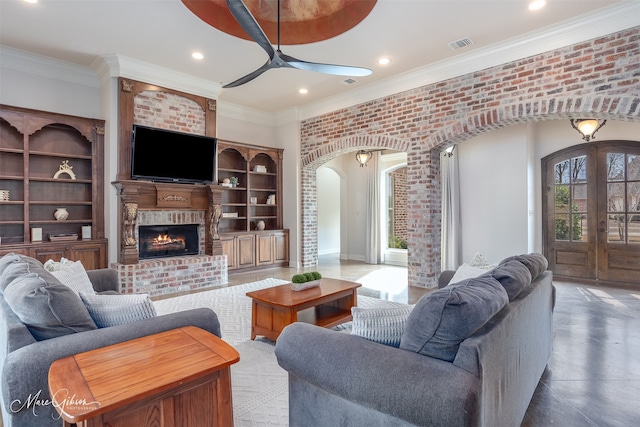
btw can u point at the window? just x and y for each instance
(396, 183)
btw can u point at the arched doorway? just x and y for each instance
(591, 211)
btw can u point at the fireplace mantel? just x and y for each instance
(137, 195)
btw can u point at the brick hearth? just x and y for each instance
(169, 275)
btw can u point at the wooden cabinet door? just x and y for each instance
(229, 248)
(45, 253)
(92, 256)
(281, 247)
(246, 250)
(264, 249)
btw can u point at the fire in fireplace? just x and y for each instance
(168, 240)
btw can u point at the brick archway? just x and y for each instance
(592, 78)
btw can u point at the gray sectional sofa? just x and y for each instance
(471, 354)
(55, 324)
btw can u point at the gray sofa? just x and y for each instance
(487, 377)
(25, 360)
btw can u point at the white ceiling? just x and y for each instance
(164, 33)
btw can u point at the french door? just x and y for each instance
(591, 211)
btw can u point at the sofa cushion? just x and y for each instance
(383, 325)
(48, 308)
(111, 310)
(73, 275)
(513, 275)
(536, 263)
(444, 318)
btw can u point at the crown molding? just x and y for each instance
(239, 112)
(618, 17)
(44, 66)
(123, 66)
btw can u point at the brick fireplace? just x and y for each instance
(169, 273)
(149, 204)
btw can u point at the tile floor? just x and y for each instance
(593, 377)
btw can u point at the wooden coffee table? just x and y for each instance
(174, 378)
(326, 305)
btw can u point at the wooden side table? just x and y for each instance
(174, 378)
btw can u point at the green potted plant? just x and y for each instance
(303, 281)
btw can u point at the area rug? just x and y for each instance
(259, 385)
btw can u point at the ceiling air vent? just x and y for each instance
(349, 81)
(459, 44)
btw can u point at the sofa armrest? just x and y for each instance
(406, 385)
(26, 370)
(104, 279)
(445, 278)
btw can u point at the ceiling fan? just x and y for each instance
(277, 59)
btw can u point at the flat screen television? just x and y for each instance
(169, 156)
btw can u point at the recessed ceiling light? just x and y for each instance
(384, 61)
(537, 4)
(197, 55)
(303, 91)
(31, 1)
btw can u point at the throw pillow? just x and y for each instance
(444, 318)
(112, 310)
(466, 271)
(479, 260)
(24, 265)
(49, 309)
(382, 325)
(73, 275)
(51, 265)
(513, 276)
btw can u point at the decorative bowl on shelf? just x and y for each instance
(61, 214)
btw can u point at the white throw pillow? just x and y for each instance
(383, 325)
(466, 271)
(112, 310)
(74, 276)
(52, 265)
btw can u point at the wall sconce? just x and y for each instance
(363, 157)
(587, 127)
(449, 151)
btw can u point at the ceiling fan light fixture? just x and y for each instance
(587, 127)
(363, 157)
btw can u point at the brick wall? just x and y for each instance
(168, 111)
(598, 78)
